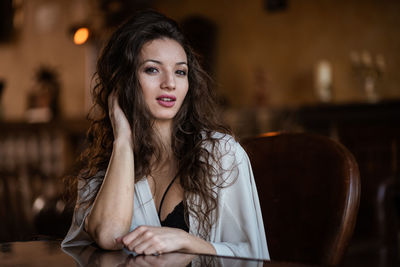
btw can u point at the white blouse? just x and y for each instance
(238, 230)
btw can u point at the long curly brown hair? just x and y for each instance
(193, 126)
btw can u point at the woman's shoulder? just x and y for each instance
(226, 142)
(231, 157)
(222, 136)
(225, 145)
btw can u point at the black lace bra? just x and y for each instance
(176, 218)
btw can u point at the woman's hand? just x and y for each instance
(119, 122)
(151, 240)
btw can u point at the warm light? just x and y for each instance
(81, 35)
(269, 134)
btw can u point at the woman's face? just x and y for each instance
(163, 77)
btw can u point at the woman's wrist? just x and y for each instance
(194, 244)
(185, 242)
(123, 141)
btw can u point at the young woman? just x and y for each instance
(161, 174)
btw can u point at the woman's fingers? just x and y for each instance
(152, 240)
(119, 122)
(130, 237)
(151, 245)
(140, 241)
(146, 247)
(113, 103)
(111, 99)
(143, 241)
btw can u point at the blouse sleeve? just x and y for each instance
(239, 230)
(77, 236)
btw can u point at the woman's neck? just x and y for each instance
(164, 131)
(166, 162)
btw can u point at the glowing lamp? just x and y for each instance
(81, 35)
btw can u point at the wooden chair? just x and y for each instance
(309, 189)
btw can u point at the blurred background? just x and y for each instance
(329, 67)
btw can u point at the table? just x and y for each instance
(50, 253)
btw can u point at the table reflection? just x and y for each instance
(50, 253)
(92, 256)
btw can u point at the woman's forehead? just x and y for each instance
(163, 49)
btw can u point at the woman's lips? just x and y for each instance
(166, 100)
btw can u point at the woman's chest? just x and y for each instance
(166, 194)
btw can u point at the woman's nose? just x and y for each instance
(168, 81)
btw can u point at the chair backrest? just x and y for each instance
(309, 190)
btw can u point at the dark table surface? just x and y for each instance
(49, 253)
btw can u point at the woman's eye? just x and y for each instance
(181, 72)
(151, 70)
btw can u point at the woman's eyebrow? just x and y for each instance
(160, 63)
(151, 60)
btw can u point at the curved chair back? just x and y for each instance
(309, 190)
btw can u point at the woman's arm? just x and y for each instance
(112, 209)
(156, 240)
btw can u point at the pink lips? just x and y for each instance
(166, 100)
